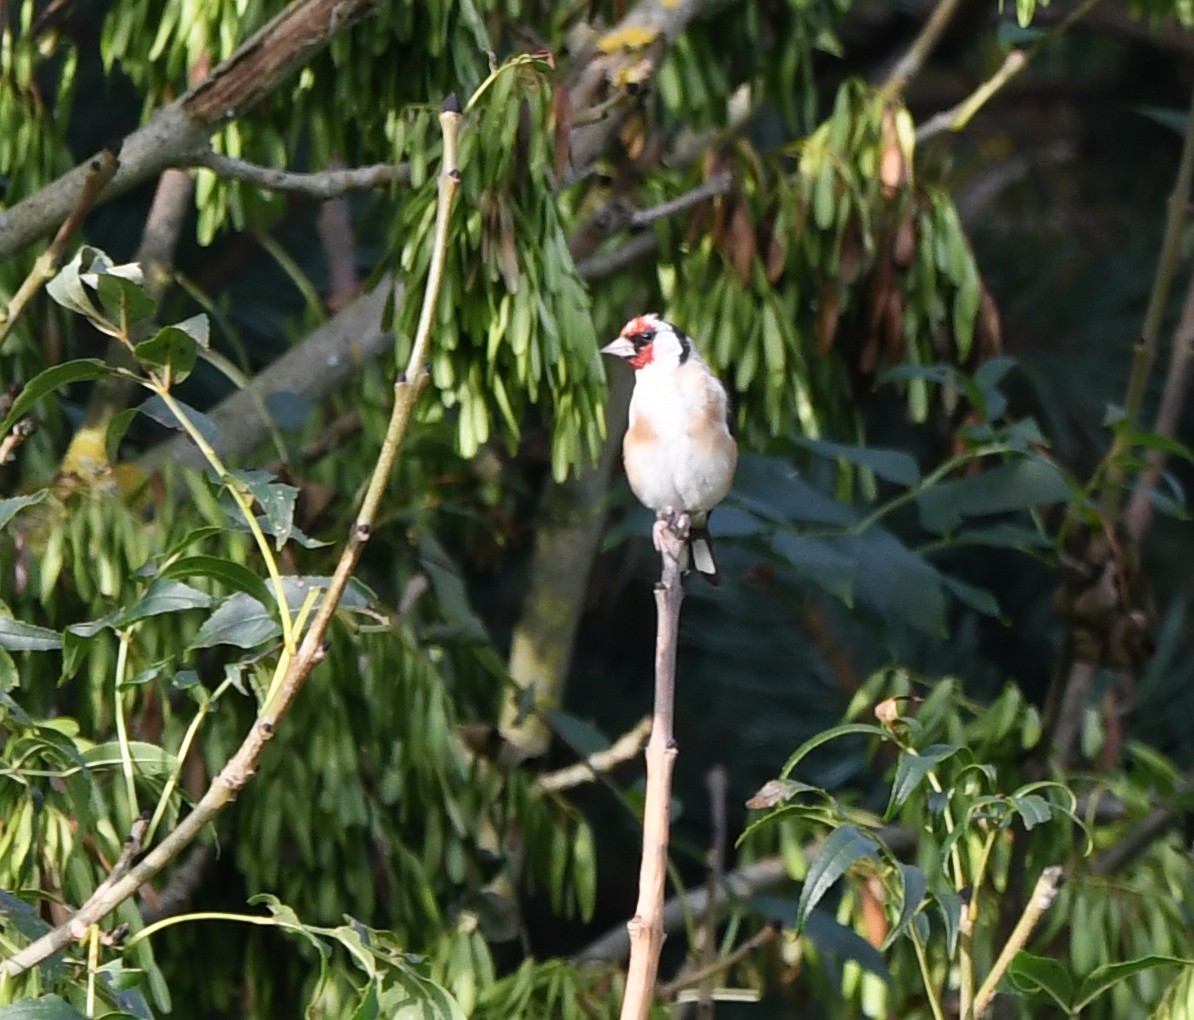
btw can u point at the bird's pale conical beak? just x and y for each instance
(620, 348)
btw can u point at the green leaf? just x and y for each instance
(832, 937)
(235, 575)
(277, 502)
(950, 905)
(149, 759)
(911, 770)
(834, 733)
(169, 346)
(163, 596)
(239, 620)
(82, 370)
(978, 599)
(1022, 484)
(583, 738)
(157, 409)
(892, 465)
(819, 561)
(1110, 974)
(896, 582)
(1031, 974)
(17, 636)
(843, 847)
(9, 508)
(67, 288)
(48, 1007)
(1033, 809)
(916, 884)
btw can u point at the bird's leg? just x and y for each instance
(669, 519)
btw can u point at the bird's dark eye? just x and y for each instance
(640, 340)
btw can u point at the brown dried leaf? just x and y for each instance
(903, 249)
(851, 254)
(874, 916)
(829, 307)
(893, 170)
(893, 326)
(561, 110)
(508, 252)
(988, 329)
(777, 256)
(741, 248)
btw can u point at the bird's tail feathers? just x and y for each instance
(700, 555)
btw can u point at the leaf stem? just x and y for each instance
(925, 976)
(180, 758)
(242, 504)
(122, 736)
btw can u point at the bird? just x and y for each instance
(678, 451)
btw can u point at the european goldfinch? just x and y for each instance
(678, 451)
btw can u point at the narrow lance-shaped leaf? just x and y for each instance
(843, 847)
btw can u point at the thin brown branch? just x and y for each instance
(1040, 901)
(627, 746)
(334, 226)
(958, 116)
(720, 965)
(646, 927)
(748, 880)
(909, 65)
(718, 184)
(242, 765)
(606, 263)
(321, 185)
(99, 172)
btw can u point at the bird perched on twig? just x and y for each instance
(678, 451)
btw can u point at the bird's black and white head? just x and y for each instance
(649, 341)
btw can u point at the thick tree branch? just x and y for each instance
(178, 133)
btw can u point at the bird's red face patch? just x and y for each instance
(641, 332)
(643, 356)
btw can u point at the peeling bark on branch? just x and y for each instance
(178, 133)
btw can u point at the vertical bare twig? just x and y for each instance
(646, 927)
